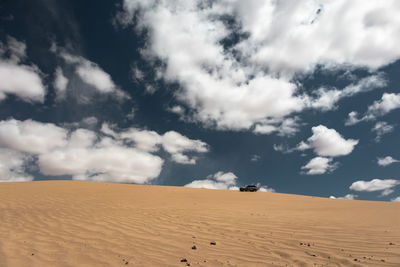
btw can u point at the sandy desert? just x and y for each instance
(70, 223)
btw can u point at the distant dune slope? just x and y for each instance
(66, 223)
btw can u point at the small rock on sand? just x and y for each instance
(213, 243)
(183, 260)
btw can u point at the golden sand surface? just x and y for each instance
(70, 223)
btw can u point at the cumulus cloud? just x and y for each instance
(381, 107)
(386, 186)
(386, 104)
(172, 142)
(175, 144)
(319, 165)
(88, 155)
(91, 73)
(224, 181)
(177, 110)
(348, 196)
(219, 180)
(16, 49)
(283, 148)
(31, 136)
(266, 189)
(21, 80)
(106, 160)
(60, 83)
(381, 128)
(82, 77)
(352, 119)
(215, 85)
(13, 165)
(326, 99)
(328, 142)
(287, 127)
(397, 199)
(237, 83)
(386, 161)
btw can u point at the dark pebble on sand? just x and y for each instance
(194, 247)
(213, 243)
(183, 260)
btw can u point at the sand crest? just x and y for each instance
(66, 223)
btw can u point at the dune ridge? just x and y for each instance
(71, 223)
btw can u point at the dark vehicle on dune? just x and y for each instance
(249, 188)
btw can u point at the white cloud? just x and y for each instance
(283, 148)
(31, 136)
(228, 178)
(327, 99)
(87, 155)
(108, 160)
(60, 83)
(240, 86)
(386, 186)
(352, 119)
(16, 49)
(219, 180)
(255, 158)
(319, 165)
(208, 184)
(18, 79)
(86, 123)
(287, 127)
(21, 80)
(381, 107)
(397, 199)
(172, 142)
(89, 121)
(177, 110)
(266, 189)
(92, 74)
(12, 166)
(386, 104)
(386, 161)
(348, 196)
(175, 144)
(328, 142)
(88, 72)
(381, 128)
(223, 181)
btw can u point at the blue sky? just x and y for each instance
(299, 97)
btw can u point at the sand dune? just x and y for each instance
(65, 223)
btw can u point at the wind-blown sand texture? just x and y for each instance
(66, 223)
